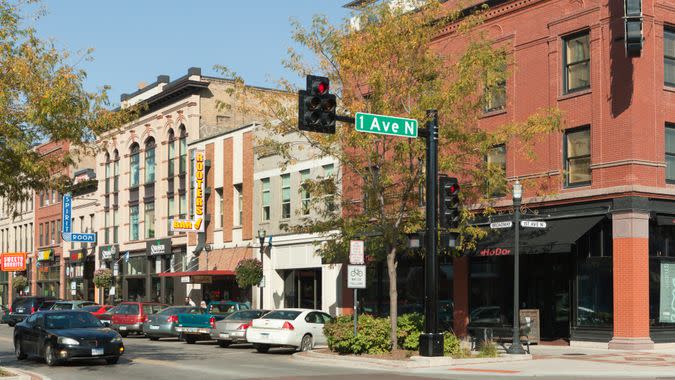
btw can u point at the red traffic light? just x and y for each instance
(322, 87)
(454, 188)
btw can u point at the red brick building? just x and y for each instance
(602, 270)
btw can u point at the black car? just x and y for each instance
(22, 307)
(60, 336)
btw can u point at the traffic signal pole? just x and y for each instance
(431, 341)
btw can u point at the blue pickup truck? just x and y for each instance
(194, 327)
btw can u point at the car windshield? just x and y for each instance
(127, 309)
(61, 321)
(222, 308)
(178, 310)
(287, 315)
(62, 306)
(46, 305)
(91, 308)
(245, 315)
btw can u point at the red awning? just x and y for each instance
(199, 273)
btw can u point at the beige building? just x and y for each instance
(16, 235)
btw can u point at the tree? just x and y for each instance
(42, 98)
(390, 65)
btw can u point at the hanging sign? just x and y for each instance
(45, 255)
(158, 247)
(14, 262)
(199, 202)
(108, 252)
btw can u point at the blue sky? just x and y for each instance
(135, 41)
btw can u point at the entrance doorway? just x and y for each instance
(546, 281)
(305, 288)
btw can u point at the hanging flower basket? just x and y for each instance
(103, 278)
(249, 272)
(19, 282)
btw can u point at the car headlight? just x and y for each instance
(68, 341)
(116, 339)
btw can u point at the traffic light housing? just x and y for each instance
(316, 106)
(448, 202)
(633, 27)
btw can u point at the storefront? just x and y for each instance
(4, 288)
(108, 256)
(80, 275)
(160, 256)
(48, 273)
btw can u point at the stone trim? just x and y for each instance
(630, 224)
(602, 165)
(631, 344)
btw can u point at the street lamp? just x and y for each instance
(516, 347)
(261, 238)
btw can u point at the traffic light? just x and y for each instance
(449, 202)
(316, 107)
(633, 27)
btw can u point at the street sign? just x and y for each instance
(385, 125)
(77, 237)
(356, 252)
(66, 213)
(532, 224)
(356, 276)
(508, 224)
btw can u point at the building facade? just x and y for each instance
(16, 235)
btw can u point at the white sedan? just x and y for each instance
(298, 328)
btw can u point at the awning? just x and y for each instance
(557, 237)
(198, 273)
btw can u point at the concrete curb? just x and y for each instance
(353, 361)
(23, 375)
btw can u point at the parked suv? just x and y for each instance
(22, 307)
(129, 316)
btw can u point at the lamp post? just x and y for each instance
(516, 347)
(261, 238)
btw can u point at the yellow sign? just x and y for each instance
(45, 255)
(182, 225)
(200, 177)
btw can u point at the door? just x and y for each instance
(29, 335)
(315, 322)
(308, 289)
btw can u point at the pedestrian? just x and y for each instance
(202, 304)
(189, 301)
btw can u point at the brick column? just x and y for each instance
(460, 286)
(631, 281)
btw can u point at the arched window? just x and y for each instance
(150, 160)
(107, 173)
(116, 170)
(182, 150)
(134, 159)
(172, 153)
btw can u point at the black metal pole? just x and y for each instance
(262, 257)
(516, 346)
(431, 342)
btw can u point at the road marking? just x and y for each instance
(505, 371)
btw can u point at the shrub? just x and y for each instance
(372, 337)
(19, 282)
(488, 349)
(103, 278)
(452, 346)
(409, 330)
(249, 272)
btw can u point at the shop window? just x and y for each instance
(134, 162)
(285, 196)
(577, 156)
(266, 199)
(577, 62)
(133, 222)
(149, 220)
(136, 266)
(304, 191)
(496, 165)
(150, 160)
(669, 56)
(670, 153)
(594, 292)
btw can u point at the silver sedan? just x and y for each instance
(163, 323)
(232, 329)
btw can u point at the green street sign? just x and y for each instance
(385, 125)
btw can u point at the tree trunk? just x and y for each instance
(393, 297)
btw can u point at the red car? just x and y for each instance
(97, 310)
(129, 316)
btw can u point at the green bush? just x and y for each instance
(451, 345)
(409, 330)
(488, 349)
(19, 282)
(103, 278)
(372, 337)
(249, 272)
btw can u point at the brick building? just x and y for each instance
(602, 270)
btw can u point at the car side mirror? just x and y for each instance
(106, 324)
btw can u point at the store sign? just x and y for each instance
(494, 252)
(76, 256)
(185, 279)
(158, 247)
(185, 225)
(667, 298)
(199, 202)
(14, 262)
(202, 279)
(45, 255)
(108, 252)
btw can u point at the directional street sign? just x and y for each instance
(66, 213)
(82, 238)
(507, 224)
(532, 224)
(386, 125)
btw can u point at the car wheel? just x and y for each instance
(224, 343)
(190, 340)
(20, 355)
(50, 357)
(153, 338)
(124, 334)
(262, 348)
(11, 324)
(306, 344)
(112, 360)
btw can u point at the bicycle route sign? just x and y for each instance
(356, 276)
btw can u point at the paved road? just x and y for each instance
(170, 359)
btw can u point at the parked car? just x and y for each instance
(47, 305)
(163, 323)
(23, 307)
(197, 326)
(298, 328)
(106, 316)
(129, 316)
(97, 310)
(71, 305)
(60, 336)
(232, 329)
